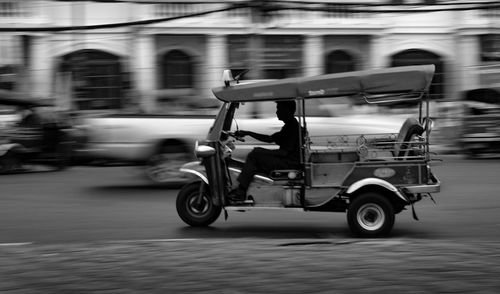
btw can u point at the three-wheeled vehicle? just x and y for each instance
(372, 177)
(36, 138)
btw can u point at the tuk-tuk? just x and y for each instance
(371, 177)
(37, 137)
(479, 134)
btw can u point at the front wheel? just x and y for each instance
(370, 215)
(195, 209)
(163, 167)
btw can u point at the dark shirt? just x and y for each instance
(288, 140)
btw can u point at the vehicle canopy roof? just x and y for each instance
(394, 80)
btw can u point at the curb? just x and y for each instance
(249, 265)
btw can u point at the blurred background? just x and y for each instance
(114, 81)
(160, 56)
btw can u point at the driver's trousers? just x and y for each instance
(260, 162)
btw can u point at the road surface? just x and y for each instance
(87, 204)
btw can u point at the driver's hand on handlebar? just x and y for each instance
(241, 133)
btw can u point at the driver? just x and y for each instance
(261, 160)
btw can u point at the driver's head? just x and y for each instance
(285, 109)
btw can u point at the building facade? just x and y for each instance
(148, 54)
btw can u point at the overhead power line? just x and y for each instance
(249, 2)
(265, 7)
(114, 25)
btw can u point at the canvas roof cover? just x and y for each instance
(394, 80)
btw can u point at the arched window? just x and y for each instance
(339, 61)
(8, 77)
(177, 70)
(96, 79)
(420, 57)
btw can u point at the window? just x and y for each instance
(267, 57)
(239, 57)
(8, 77)
(177, 70)
(419, 57)
(339, 61)
(490, 47)
(282, 57)
(97, 79)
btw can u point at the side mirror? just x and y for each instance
(227, 77)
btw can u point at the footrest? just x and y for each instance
(286, 174)
(246, 202)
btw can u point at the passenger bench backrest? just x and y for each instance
(411, 127)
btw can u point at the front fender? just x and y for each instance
(376, 182)
(195, 168)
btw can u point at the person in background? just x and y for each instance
(29, 118)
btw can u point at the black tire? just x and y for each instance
(370, 215)
(163, 166)
(201, 216)
(9, 163)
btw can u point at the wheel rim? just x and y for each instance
(165, 167)
(371, 217)
(198, 210)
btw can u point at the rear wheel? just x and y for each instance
(194, 210)
(370, 215)
(9, 163)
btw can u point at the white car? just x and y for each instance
(162, 143)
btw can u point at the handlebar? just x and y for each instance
(233, 134)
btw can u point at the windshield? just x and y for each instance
(222, 122)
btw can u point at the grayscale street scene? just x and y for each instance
(157, 146)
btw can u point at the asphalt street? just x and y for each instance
(102, 230)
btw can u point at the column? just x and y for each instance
(144, 65)
(216, 63)
(313, 55)
(377, 57)
(40, 73)
(468, 62)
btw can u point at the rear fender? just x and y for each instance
(197, 169)
(378, 183)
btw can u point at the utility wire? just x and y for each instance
(114, 25)
(265, 8)
(270, 2)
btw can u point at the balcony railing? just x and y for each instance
(180, 9)
(15, 9)
(493, 13)
(325, 11)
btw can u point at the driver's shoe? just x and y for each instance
(237, 195)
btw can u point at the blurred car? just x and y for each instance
(41, 135)
(162, 143)
(480, 134)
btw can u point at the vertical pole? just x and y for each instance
(131, 94)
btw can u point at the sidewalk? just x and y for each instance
(253, 266)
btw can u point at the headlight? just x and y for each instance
(203, 150)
